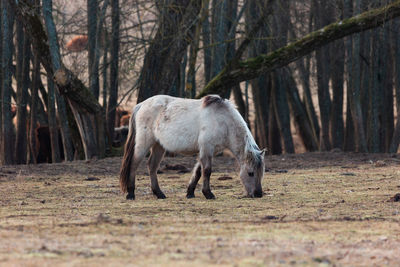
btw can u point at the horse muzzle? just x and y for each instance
(256, 194)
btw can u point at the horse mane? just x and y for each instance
(211, 99)
(252, 152)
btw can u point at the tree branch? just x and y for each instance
(253, 67)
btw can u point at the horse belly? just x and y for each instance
(178, 132)
(181, 140)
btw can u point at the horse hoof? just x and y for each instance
(188, 195)
(159, 194)
(130, 196)
(209, 195)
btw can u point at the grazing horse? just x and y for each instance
(206, 126)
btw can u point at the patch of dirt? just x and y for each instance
(318, 208)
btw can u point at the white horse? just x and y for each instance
(206, 126)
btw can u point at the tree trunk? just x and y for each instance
(19, 55)
(206, 32)
(22, 98)
(76, 138)
(65, 128)
(7, 153)
(182, 76)
(92, 7)
(104, 73)
(355, 93)
(337, 77)
(85, 126)
(365, 48)
(349, 143)
(113, 89)
(349, 132)
(387, 116)
(261, 90)
(374, 123)
(279, 86)
(53, 128)
(394, 144)
(322, 18)
(34, 96)
(1, 80)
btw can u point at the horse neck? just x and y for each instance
(241, 147)
(242, 142)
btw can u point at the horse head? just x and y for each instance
(252, 172)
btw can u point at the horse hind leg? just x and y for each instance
(194, 180)
(137, 158)
(132, 178)
(141, 149)
(206, 173)
(157, 153)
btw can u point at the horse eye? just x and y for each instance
(251, 174)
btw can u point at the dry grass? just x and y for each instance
(321, 208)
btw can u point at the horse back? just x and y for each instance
(182, 125)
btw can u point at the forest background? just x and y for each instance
(308, 75)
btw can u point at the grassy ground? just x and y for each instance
(318, 209)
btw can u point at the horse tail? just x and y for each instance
(129, 152)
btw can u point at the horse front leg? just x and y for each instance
(194, 180)
(157, 153)
(206, 173)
